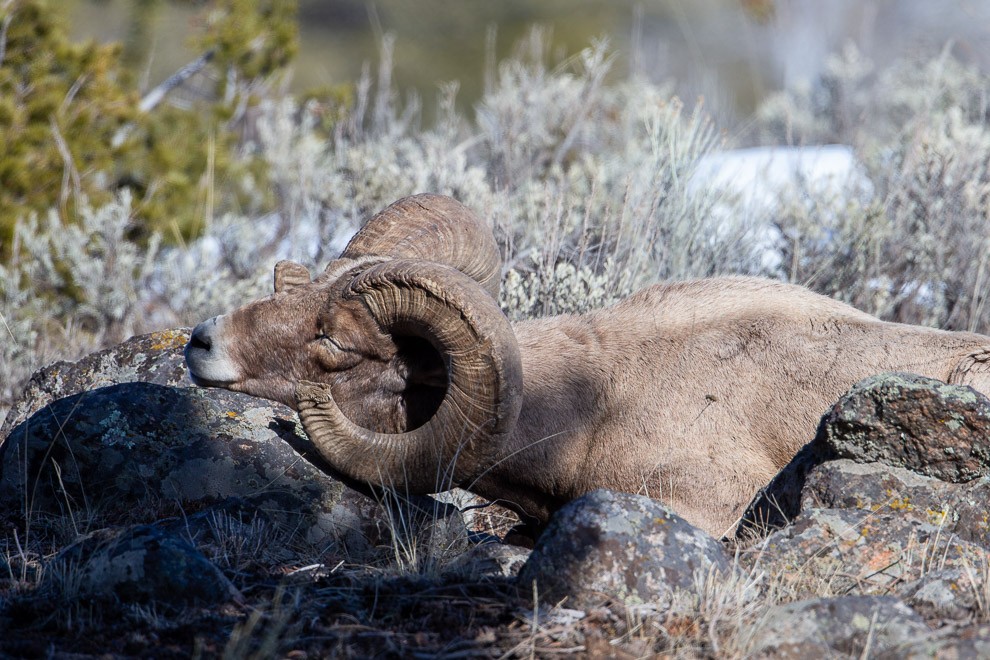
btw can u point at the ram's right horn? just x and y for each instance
(434, 228)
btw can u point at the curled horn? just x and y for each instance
(435, 228)
(408, 297)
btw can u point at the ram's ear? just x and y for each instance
(289, 274)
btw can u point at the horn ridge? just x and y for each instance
(436, 228)
(484, 393)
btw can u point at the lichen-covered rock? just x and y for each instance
(846, 484)
(835, 627)
(139, 564)
(897, 420)
(952, 594)
(152, 358)
(858, 550)
(960, 509)
(616, 545)
(909, 421)
(948, 644)
(133, 452)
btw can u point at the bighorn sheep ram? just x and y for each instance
(406, 374)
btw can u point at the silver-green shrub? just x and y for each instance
(71, 288)
(917, 251)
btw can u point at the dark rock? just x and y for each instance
(419, 532)
(779, 502)
(959, 509)
(616, 545)
(134, 452)
(853, 550)
(139, 564)
(952, 594)
(909, 421)
(152, 358)
(830, 627)
(489, 560)
(950, 644)
(233, 534)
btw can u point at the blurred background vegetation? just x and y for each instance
(732, 51)
(74, 123)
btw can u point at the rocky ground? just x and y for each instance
(143, 517)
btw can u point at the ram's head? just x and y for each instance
(403, 369)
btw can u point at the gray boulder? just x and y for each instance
(959, 509)
(152, 358)
(909, 421)
(140, 564)
(835, 627)
(616, 545)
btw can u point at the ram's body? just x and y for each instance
(406, 373)
(698, 393)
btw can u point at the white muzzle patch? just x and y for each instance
(207, 354)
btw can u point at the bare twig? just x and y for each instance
(70, 173)
(158, 93)
(3, 35)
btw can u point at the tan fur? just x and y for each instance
(697, 393)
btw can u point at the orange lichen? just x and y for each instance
(168, 339)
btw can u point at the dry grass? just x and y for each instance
(303, 604)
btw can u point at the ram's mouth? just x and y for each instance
(206, 382)
(208, 369)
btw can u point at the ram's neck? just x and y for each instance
(561, 404)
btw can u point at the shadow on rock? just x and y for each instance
(136, 452)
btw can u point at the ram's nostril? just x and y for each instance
(200, 339)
